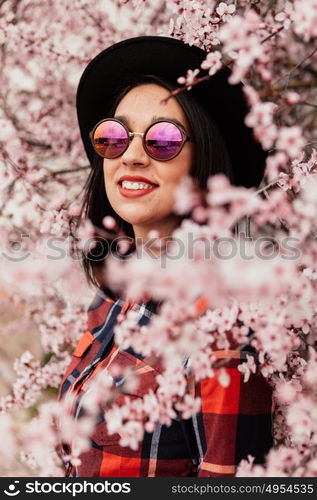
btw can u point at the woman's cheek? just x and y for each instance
(167, 198)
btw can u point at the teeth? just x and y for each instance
(136, 185)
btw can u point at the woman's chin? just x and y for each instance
(136, 219)
(140, 223)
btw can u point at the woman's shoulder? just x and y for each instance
(98, 310)
(100, 297)
(97, 314)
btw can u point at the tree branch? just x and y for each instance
(308, 104)
(296, 84)
(70, 170)
(272, 34)
(208, 77)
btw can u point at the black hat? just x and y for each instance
(169, 58)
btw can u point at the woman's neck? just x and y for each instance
(144, 234)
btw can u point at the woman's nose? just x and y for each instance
(135, 153)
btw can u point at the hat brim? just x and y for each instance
(170, 58)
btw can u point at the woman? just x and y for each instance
(140, 149)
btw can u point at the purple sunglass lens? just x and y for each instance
(110, 139)
(164, 140)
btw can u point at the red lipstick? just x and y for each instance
(135, 193)
(136, 178)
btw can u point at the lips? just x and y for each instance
(136, 178)
(136, 193)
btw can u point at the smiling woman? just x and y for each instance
(199, 150)
(149, 206)
(140, 148)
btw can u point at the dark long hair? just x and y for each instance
(211, 157)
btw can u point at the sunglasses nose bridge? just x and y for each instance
(132, 134)
(135, 152)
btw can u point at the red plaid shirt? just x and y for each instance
(233, 422)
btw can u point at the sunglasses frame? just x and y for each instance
(185, 138)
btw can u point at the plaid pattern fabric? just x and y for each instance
(233, 422)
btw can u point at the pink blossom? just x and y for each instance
(151, 407)
(86, 233)
(310, 375)
(285, 15)
(186, 196)
(274, 163)
(266, 135)
(286, 392)
(189, 79)
(261, 114)
(55, 222)
(7, 130)
(131, 434)
(239, 35)
(200, 364)
(212, 62)
(224, 9)
(109, 222)
(172, 383)
(260, 118)
(189, 406)
(247, 368)
(301, 417)
(245, 467)
(114, 419)
(290, 140)
(224, 377)
(292, 97)
(234, 33)
(304, 17)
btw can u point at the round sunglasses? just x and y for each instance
(162, 140)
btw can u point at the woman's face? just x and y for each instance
(153, 209)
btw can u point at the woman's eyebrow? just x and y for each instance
(125, 120)
(156, 118)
